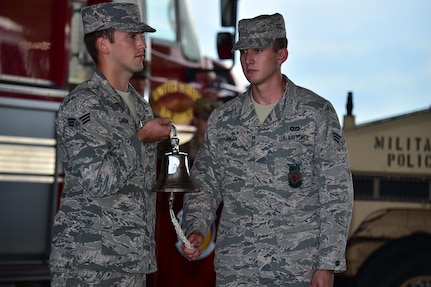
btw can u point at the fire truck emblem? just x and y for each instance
(294, 176)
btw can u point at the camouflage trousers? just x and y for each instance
(93, 278)
(239, 281)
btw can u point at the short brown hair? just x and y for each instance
(279, 43)
(91, 38)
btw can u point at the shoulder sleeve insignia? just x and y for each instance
(337, 138)
(85, 118)
(77, 122)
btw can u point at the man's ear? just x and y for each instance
(282, 55)
(102, 44)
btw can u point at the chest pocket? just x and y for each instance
(293, 155)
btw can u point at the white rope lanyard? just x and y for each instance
(178, 229)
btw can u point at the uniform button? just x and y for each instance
(337, 263)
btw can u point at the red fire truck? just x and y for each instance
(42, 58)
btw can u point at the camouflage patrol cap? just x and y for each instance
(118, 16)
(204, 107)
(260, 32)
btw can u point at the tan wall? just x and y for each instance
(399, 146)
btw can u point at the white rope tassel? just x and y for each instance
(178, 229)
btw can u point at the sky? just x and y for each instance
(379, 50)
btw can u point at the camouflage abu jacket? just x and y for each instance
(107, 212)
(285, 184)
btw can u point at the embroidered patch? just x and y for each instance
(85, 118)
(294, 176)
(82, 120)
(71, 122)
(337, 138)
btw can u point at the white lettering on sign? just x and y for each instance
(405, 152)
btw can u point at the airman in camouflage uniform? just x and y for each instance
(276, 158)
(104, 230)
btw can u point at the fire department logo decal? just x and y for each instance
(175, 100)
(294, 176)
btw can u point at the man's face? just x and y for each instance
(260, 64)
(128, 51)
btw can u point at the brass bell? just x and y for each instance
(174, 178)
(174, 175)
